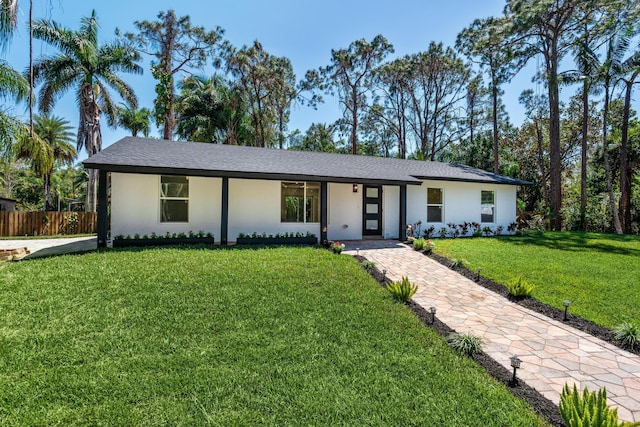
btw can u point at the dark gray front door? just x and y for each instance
(372, 210)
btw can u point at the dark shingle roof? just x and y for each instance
(141, 155)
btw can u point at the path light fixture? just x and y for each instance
(358, 251)
(432, 310)
(566, 307)
(515, 364)
(479, 269)
(384, 275)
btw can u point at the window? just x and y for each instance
(434, 205)
(300, 202)
(488, 206)
(174, 199)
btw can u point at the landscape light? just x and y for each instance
(566, 307)
(358, 251)
(515, 364)
(433, 314)
(479, 269)
(384, 275)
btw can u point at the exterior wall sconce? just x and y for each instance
(515, 364)
(432, 310)
(355, 188)
(566, 307)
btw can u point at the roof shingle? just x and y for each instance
(142, 155)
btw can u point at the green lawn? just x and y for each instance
(598, 273)
(287, 336)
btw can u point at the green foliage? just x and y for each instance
(628, 335)
(369, 265)
(588, 409)
(419, 243)
(518, 287)
(467, 344)
(459, 262)
(402, 290)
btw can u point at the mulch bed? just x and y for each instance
(546, 408)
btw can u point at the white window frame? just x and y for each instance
(161, 198)
(441, 205)
(493, 206)
(304, 198)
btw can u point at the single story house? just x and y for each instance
(168, 186)
(7, 205)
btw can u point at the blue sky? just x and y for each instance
(302, 30)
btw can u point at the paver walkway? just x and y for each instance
(552, 353)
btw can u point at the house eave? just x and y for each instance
(151, 170)
(478, 181)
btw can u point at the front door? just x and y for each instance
(372, 210)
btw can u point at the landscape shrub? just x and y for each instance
(419, 243)
(467, 344)
(628, 335)
(588, 409)
(402, 290)
(518, 287)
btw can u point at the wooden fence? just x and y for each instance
(47, 223)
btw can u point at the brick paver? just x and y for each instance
(552, 353)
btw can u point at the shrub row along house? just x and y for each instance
(159, 186)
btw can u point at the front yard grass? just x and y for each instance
(598, 273)
(281, 336)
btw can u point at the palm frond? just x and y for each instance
(12, 83)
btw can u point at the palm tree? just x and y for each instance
(90, 70)
(8, 20)
(56, 133)
(133, 119)
(15, 87)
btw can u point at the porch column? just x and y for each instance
(103, 221)
(403, 212)
(224, 218)
(324, 213)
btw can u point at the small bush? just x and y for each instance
(443, 232)
(457, 263)
(628, 335)
(519, 287)
(419, 243)
(588, 409)
(467, 344)
(403, 290)
(369, 265)
(487, 230)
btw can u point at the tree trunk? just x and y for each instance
(583, 160)
(169, 114)
(555, 163)
(354, 121)
(90, 136)
(625, 170)
(543, 169)
(494, 94)
(607, 167)
(46, 193)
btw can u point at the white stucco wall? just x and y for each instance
(345, 212)
(462, 203)
(135, 205)
(254, 206)
(390, 211)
